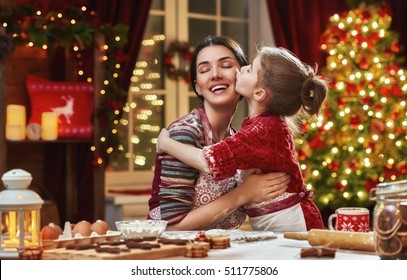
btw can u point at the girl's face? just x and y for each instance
(216, 76)
(247, 79)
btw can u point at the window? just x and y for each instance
(154, 99)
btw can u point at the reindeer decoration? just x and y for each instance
(66, 110)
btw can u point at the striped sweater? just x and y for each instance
(178, 188)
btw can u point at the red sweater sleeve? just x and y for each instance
(264, 143)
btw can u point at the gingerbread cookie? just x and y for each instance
(220, 242)
(196, 250)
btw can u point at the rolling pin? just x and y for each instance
(363, 241)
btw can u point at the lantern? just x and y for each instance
(20, 214)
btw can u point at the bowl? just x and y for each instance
(141, 228)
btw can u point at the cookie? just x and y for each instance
(196, 250)
(220, 242)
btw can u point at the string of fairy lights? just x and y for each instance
(72, 28)
(142, 120)
(360, 139)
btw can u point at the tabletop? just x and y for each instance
(279, 248)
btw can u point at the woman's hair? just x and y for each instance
(225, 41)
(293, 85)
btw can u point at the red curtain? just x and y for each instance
(134, 14)
(298, 24)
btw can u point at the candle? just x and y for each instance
(12, 229)
(49, 125)
(34, 226)
(14, 132)
(15, 122)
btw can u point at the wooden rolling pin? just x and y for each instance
(363, 241)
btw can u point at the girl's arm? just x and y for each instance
(255, 188)
(188, 154)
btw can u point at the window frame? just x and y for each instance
(176, 18)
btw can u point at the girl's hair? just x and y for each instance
(293, 85)
(225, 41)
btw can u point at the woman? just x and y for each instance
(186, 198)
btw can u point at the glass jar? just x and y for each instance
(390, 219)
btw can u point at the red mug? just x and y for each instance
(350, 219)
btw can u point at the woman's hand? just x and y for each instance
(164, 134)
(262, 187)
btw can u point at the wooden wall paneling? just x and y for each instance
(24, 61)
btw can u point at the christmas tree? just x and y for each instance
(359, 140)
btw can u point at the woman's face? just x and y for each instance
(216, 76)
(247, 79)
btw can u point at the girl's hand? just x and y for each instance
(160, 146)
(262, 187)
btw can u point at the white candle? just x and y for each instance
(15, 122)
(49, 125)
(14, 132)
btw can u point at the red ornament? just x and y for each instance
(395, 47)
(302, 155)
(365, 15)
(334, 165)
(383, 10)
(351, 88)
(340, 102)
(355, 121)
(372, 145)
(370, 184)
(363, 64)
(365, 100)
(340, 187)
(390, 171)
(376, 126)
(317, 143)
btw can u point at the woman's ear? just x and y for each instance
(198, 89)
(260, 94)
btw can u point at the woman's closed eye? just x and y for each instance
(204, 69)
(227, 65)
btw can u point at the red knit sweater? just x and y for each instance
(266, 143)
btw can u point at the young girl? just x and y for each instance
(277, 86)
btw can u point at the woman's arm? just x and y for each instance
(188, 154)
(255, 188)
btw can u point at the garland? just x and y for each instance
(69, 24)
(181, 51)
